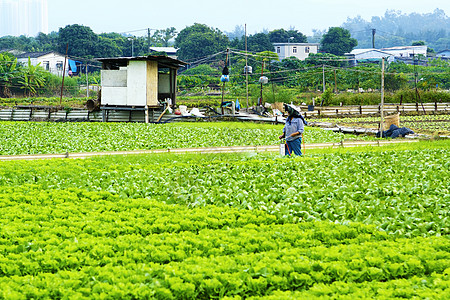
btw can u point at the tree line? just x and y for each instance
(201, 44)
(193, 42)
(392, 29)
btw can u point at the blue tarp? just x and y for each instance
(73, 65)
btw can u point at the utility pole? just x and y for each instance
(64, 73)
(148, 40)
(382, 98)
(323, 77)
(132, 45)
(262, 70)
(335, 82)
(373, 37)
(87, 81)
(246, 65)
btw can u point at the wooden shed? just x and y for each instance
(138, 83)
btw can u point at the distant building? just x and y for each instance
(170, 51)
(23, 17)
(407, 51)
(444, 54)
(368, 55)
(299, 50)
(406, 54)
(51, 61)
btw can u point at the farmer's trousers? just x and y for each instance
(293, 147)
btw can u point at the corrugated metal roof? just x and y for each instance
(361, 51)
(164, 60)
(36, 54)
(164, 49)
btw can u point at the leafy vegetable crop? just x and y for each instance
(361, 223)
(420, 123)
(74, 243)
(42, 137)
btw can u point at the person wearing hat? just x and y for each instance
(292, 131)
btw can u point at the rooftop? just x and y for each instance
(164, 61)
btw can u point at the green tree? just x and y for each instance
(163, 36)
(202, 70)
(47, 42)
(82, 41)
(337, 41)
(198, 41)
(9, 42)
(318, 59)
(8, 71)
(418, 43)
(282, 36)
(259, 42)
(107, 47)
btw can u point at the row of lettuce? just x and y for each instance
(404, 193)
(41, 137)
(365, 223)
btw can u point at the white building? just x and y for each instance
(358, 55)
(403, 53)
(444, 54)
(23, 17)
(50, 61)
(406, 51)
(299, 50)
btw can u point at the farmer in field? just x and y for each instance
(293, 130)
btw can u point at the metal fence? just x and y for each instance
(419, 108)
(74, 115)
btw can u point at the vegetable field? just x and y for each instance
(429, 124)
(45, 137)
(336, 223)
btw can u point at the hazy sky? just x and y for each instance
(303, 15)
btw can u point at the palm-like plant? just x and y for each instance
(32, 78)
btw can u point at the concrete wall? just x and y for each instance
(134, 85)
(114, 87)
(137, 83)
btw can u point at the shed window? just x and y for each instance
(294, 50)
(59, 65)
(306, 49)
(278, 49)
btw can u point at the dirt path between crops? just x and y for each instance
(231, 149)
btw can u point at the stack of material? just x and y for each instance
(394, 132)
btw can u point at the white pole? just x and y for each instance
(382, 98)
